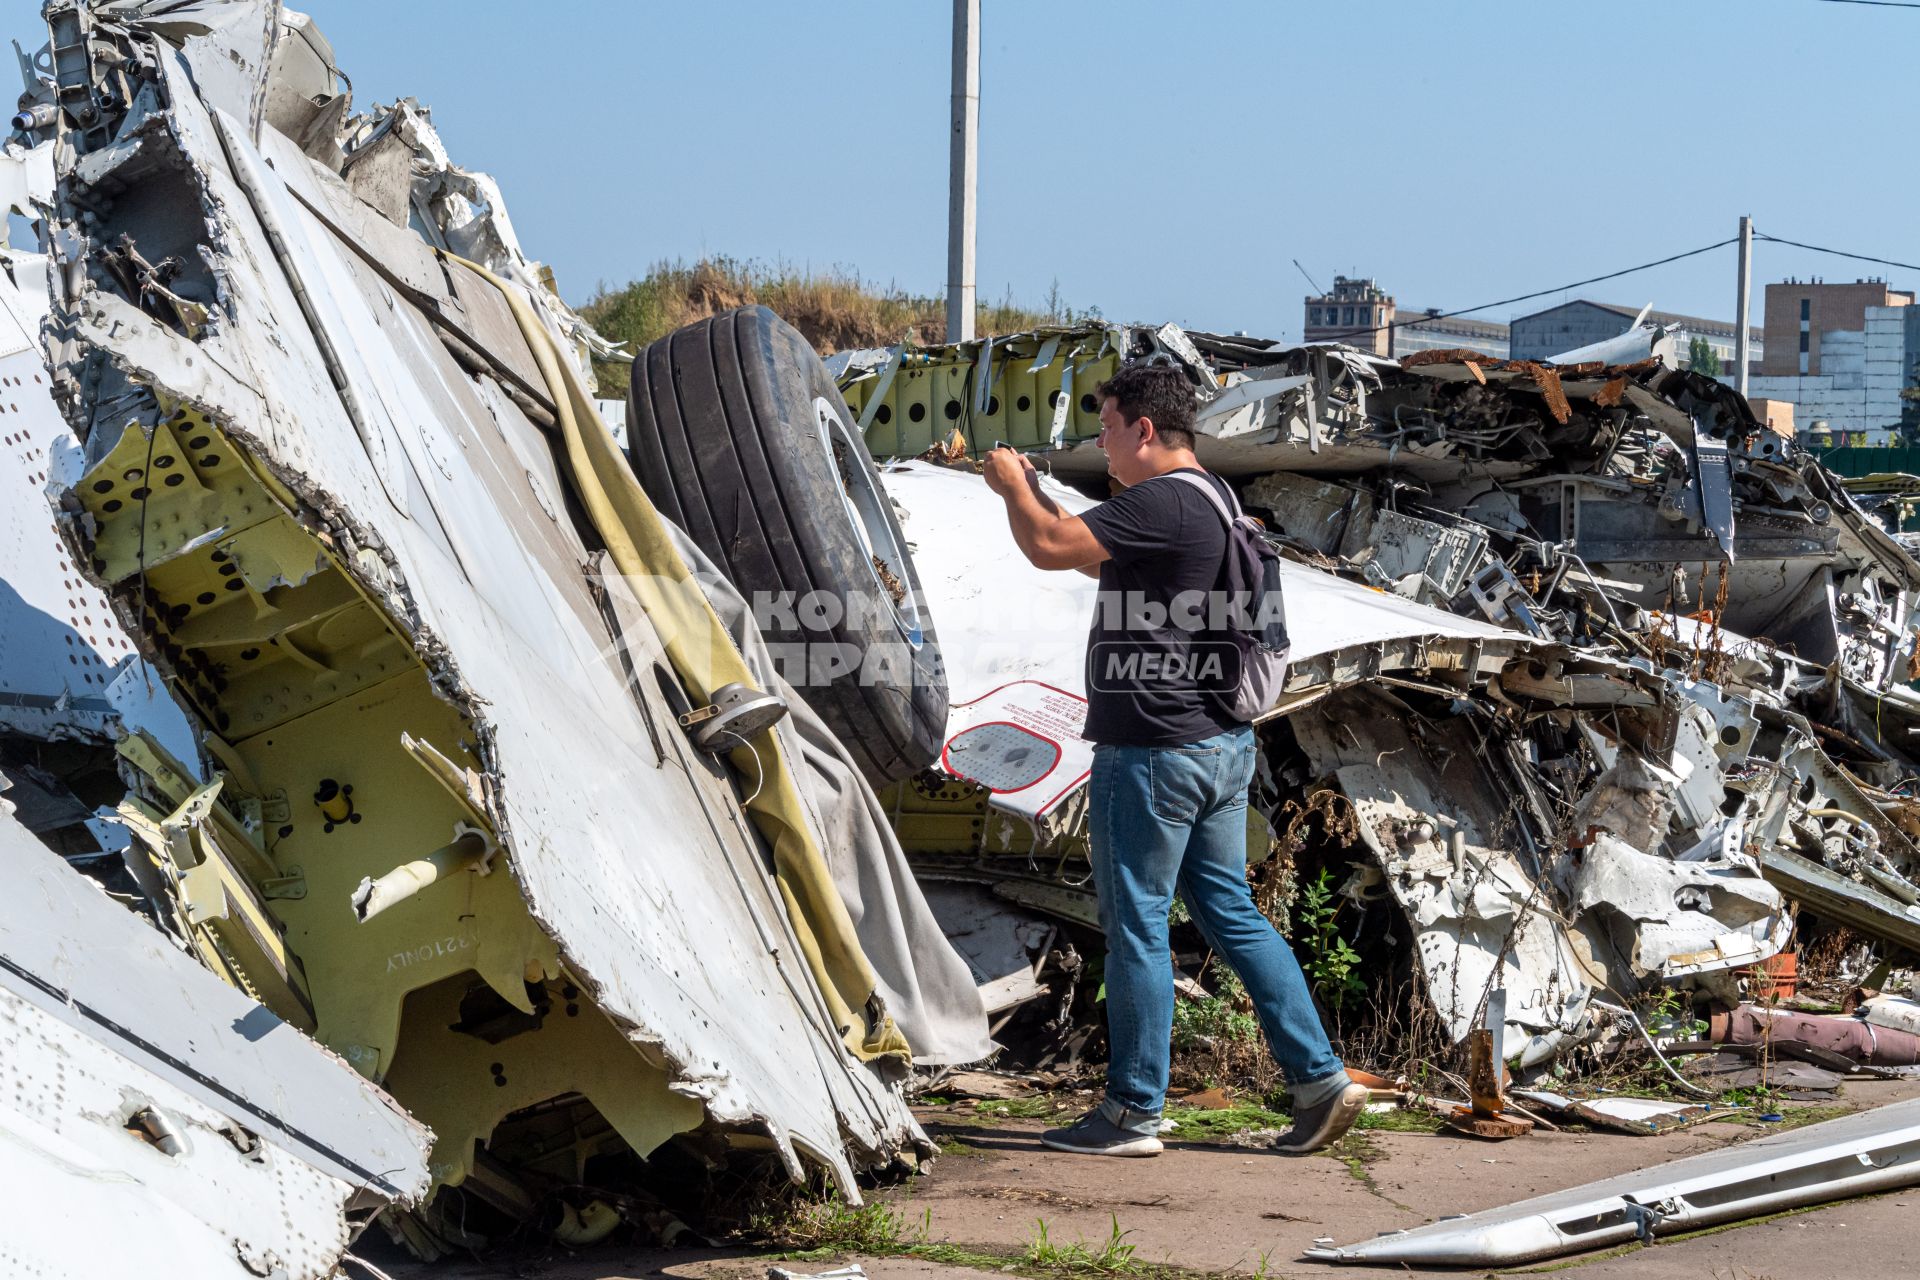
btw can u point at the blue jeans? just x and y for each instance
(1167, 818)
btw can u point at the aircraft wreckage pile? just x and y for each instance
(496, 876)
(1596, 679)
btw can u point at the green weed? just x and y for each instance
(834, 1226)
(1196, 1125)
(1221, 1018)
(1040, 1108)
(1399, 1120)
(815, 1231)
(956, 1148)
(1331, 963)
(1114, 1256)
(1356, 1151)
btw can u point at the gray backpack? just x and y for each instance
(1257, 623)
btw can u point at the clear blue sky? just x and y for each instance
(1168, 160)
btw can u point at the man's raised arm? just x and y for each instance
(1048, 536)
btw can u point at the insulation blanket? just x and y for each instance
(922, 980)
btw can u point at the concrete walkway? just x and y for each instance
(1221, 1208)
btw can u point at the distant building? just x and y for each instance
(1841, 354)
(1357, 313)
(1800, 313)
(1582, 322)
(1456, 333)
(1361, 314)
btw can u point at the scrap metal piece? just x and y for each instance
(1707, 910)
(1485, 1115)
(1860, 1154)
(143, 1100)
(1022, 743)
(202, 871)
(1016, 622)
(69, 672)
(1713, 473)
(1641, 341)
(1502, 599)
(1006, 949)
(1484, 919)
(737, 714)
(469, 850)
(1639, 1116)
(1896, 1012)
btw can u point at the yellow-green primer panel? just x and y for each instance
(935, 392)
(309, 695)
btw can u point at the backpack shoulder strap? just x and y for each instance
(1205, 485)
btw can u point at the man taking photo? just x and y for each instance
(1171, 766)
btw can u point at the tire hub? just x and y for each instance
(868, 510)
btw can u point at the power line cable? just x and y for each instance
(1426, 318)
(1838, 253)
(1878, 4)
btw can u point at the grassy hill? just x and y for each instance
(835, 310)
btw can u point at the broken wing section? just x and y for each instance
(1871, 1152)
(153, 1109)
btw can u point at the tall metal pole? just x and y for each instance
(1740, 339)
(964, 170)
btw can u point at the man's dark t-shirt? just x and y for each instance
(1148, 673)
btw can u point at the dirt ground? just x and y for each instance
(1221, 1208)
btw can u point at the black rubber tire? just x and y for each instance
(723, 434)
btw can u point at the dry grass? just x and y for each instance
(835, 310)
(1824, 961)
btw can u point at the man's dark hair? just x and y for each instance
(1157, 391)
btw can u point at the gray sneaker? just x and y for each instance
(1322, 1126)
(1095, 1134)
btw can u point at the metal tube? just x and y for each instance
(1620, 1011)
(374, 896)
